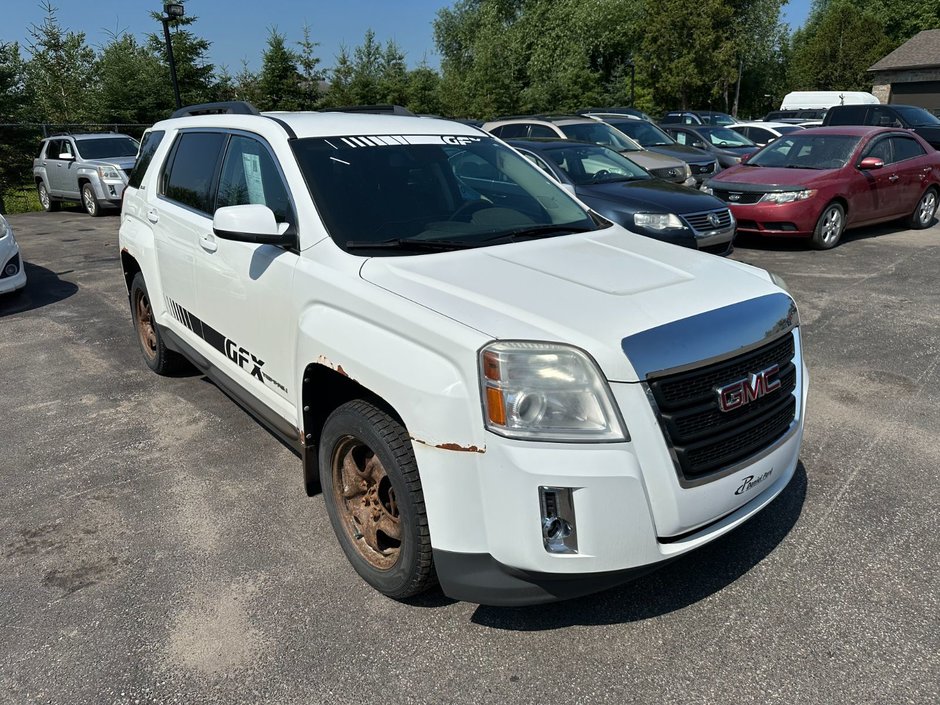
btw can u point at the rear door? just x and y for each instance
(244, 289)
(882, 197)
(180, 211)
(913, 169)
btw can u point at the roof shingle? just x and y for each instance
(923, 49)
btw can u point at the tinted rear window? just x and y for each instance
(847, 115)
(189, 180)
(147, 149)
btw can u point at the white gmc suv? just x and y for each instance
(495, 388)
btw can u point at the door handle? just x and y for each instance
(893, 178)
(208, 243)
(152, 215)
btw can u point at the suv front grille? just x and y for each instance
(737, 196)
(704, 438)
(672, 173)
(700, 221)
(702, 168)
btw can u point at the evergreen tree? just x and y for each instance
(367, 71)
(424, 90)
(279, 83)
(310, 73)
(393, 77)
(127, 72)
(341, 77)
(194, 72)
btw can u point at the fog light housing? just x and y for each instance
(11, 268)
(559, 528)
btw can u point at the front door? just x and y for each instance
(244, 288)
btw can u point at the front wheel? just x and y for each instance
(90, 202)
(923, 214)
(374, 499)
(829, 227)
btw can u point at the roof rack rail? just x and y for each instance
(230, 107)
(374, 110)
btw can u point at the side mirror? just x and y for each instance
(66, 156)
(698, 145)
(251, 223)
(871, 163)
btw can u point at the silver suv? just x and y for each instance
(90, 168)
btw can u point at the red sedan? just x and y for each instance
(818, 182)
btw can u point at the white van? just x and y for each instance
(825, 99)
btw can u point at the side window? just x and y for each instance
(542, 131)
(882, 117)
(538, 162)
(508, 132)
(680, 137)
(67, 148)
(147, 149)
(53, 147)
(497, 131)
(882, 150)
(906, 148)
(188, 180)
(250, 176)
(758, 134)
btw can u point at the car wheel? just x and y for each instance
(829, 227)
(45, 200)
(374, 499)
(90, 202)
(923, 214)
(158, 357)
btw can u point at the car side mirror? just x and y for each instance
(66, 156)
(251, 223)
(871, 163)
(698, 145)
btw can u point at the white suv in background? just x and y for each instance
(494, 387)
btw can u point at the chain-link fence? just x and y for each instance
(20, 144)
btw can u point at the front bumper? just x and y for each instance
(720, 242)
(109, 192)
(781, 220)
(10, 254)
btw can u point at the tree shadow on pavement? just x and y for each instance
(679, 584)
(43, 287)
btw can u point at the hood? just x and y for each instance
(651, 195)
(736, 151)
(591, 290)
(124, 163)
(683, 152)
(652, 160)
(763, 178)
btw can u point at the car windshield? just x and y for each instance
(718, 119)
(647, 134)
(807, 152)
(787, 129)
(723, 137)
(590, 164)
(916, 117)
(600, 133)
(107, 147)
(402, 194)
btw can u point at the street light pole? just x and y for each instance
(172, 11)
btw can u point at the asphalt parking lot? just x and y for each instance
(156, 544)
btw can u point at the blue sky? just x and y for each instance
(237, 29)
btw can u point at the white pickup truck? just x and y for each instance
(495, 388)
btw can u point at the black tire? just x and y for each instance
(924, 211)
(829, 227)
(90, 201)
(48, 203)
(158, 357)
(369, 438)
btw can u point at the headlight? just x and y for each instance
(109, 172)
(687, 170)
(787, 196)
(657, 221)
(707, 189)
(546, 391)
(5, 228)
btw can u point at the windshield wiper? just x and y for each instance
(538, 231)
(408, 243)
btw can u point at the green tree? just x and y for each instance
(341, 77)
(899, 19)
(424, 90)
(127, 72)
(16, 145)
(60, 71)
(309, 65)
(393, 76)
(835, 48)
(367, 71)
(279, 82)
(246, 85)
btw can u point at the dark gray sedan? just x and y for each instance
(619, 190)
(726, 145)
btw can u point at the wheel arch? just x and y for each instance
(130, 267)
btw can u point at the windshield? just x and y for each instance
(601, 133)
(647, 134)
(718, 119)
(107, 147)
(916, 117)
(723, 137)
(787, 129)
(807, 152)
(403, 194)
(586, 165)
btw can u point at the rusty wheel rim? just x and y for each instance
(366, 503)
(145, 330)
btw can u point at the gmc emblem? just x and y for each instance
(751, 388)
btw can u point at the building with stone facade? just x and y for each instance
(911, 73)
